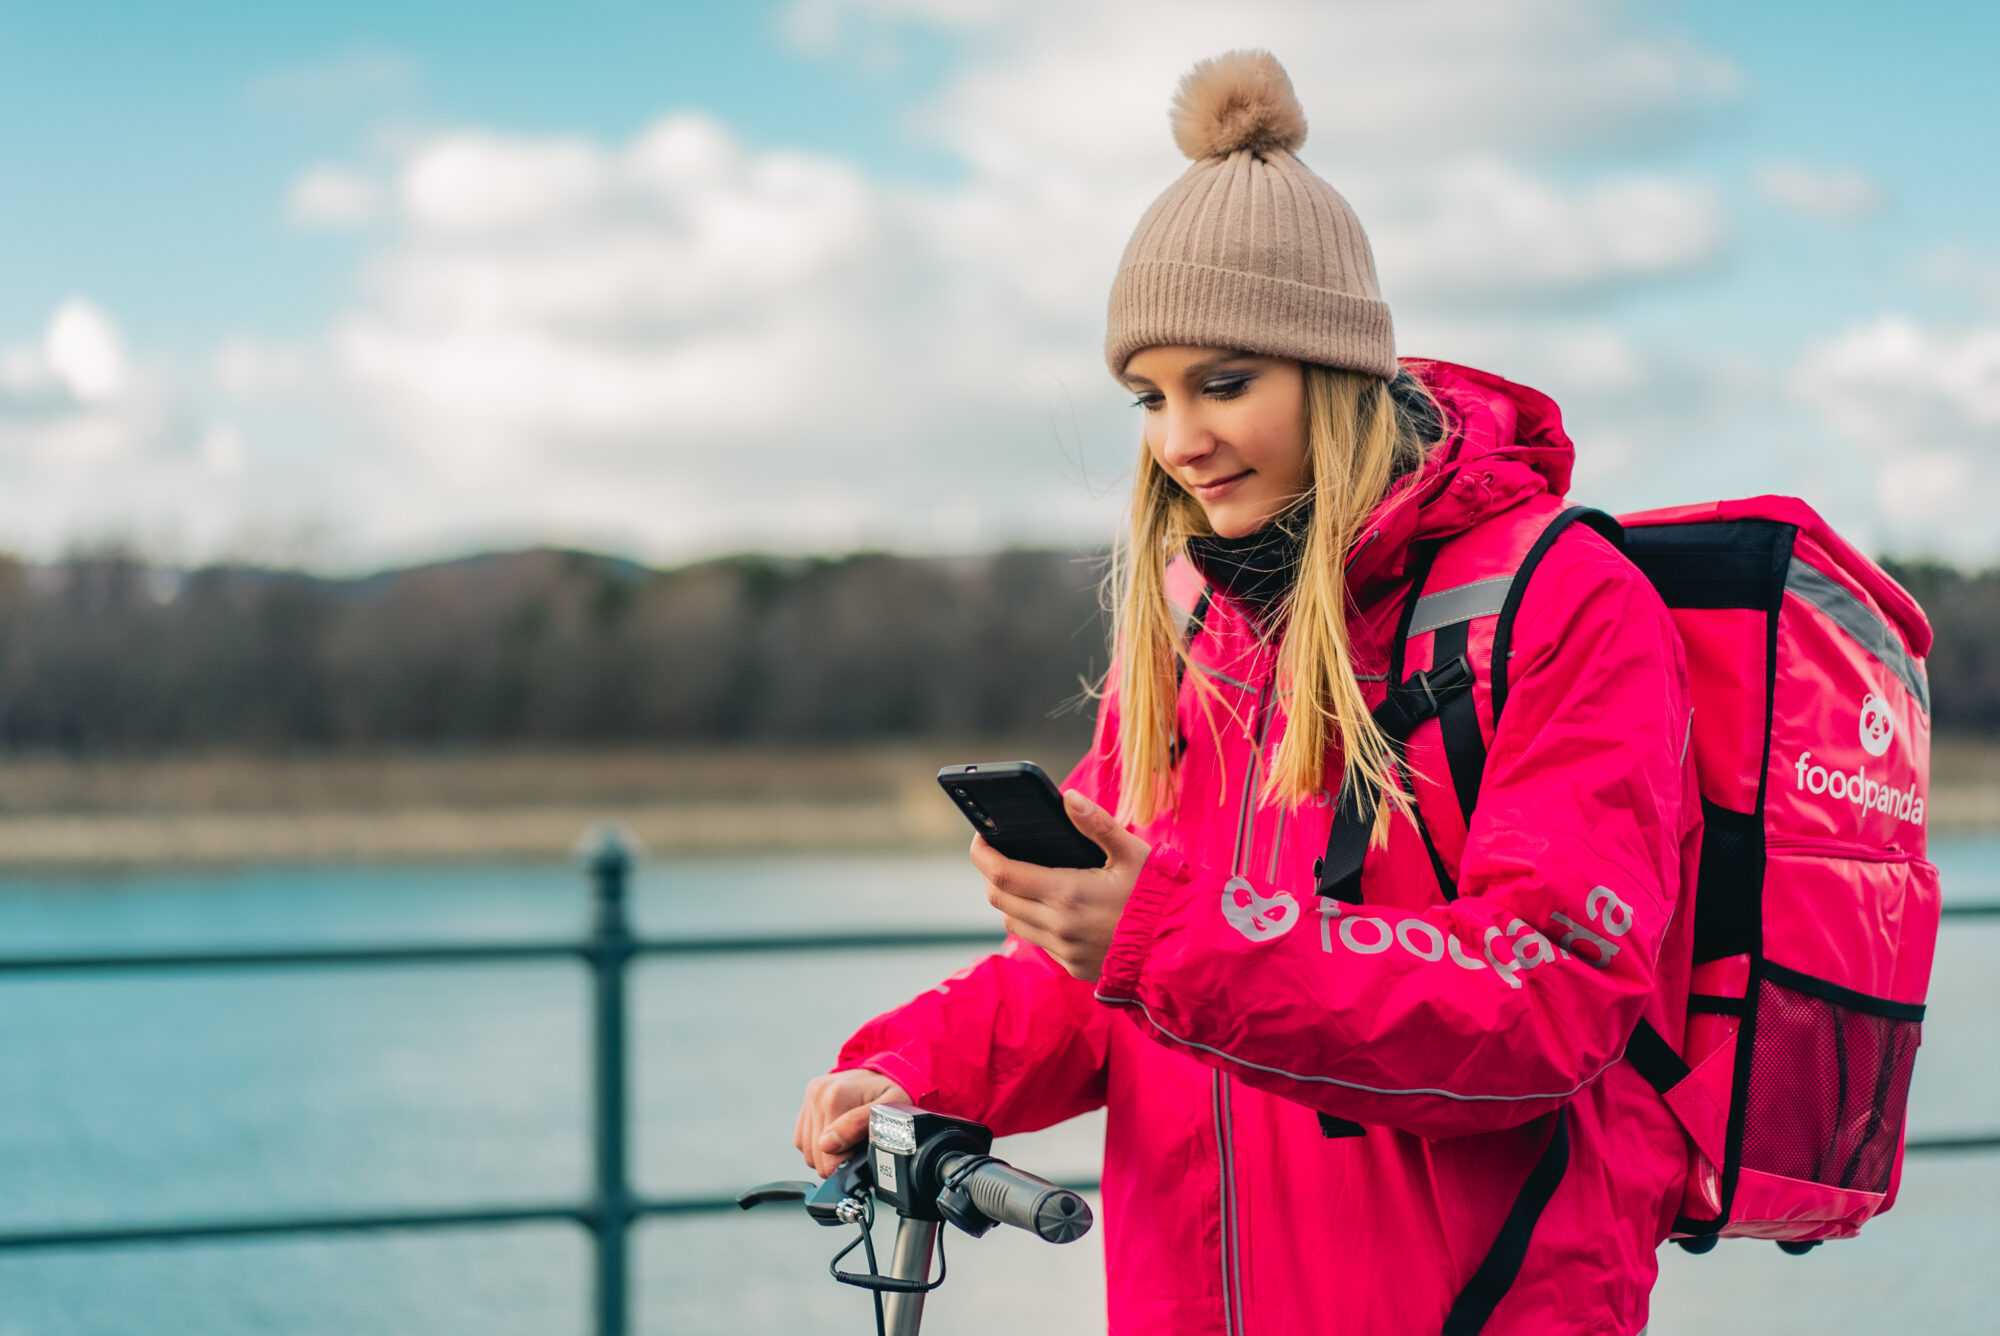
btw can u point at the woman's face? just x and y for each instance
(1213, 415)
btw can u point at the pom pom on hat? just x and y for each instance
(1240, 99)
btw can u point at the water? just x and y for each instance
(153, 1096)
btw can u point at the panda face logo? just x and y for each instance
(1262, 916)
(1878, 726)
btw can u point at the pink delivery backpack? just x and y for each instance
(1816, 912)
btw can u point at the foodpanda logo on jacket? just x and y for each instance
(1262, 916)
(1266, 915)
(1508, 952)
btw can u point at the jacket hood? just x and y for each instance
(1504, 443)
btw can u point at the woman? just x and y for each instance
(1407, 1113)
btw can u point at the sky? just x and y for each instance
(347, 287)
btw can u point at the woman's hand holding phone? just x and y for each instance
(1070, 913)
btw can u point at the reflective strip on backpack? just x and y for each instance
(1481, 598)
(1851, 615)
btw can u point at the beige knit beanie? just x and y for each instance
(1249, 249)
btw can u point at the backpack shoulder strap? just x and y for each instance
(1503, 633)
(1443, 692)
(1458, 721)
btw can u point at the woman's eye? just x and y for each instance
(1217, 389)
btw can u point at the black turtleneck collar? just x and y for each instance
(1257, 568)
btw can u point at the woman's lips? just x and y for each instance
(1213, 490)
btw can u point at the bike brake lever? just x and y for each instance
(855, 1178)
(784, 1189)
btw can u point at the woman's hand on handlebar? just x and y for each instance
(833, 1117)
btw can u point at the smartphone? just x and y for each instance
(1016, 807)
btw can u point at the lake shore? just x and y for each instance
(197, 811)
(60, 813)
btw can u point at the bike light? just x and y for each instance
(906, 1145)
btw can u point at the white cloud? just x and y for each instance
(79, 362)
(1870, 377)
(1593, 356)
(1919, 406)
(1483, 229)
(86, 352)
(1654, 423)
(333, 197)
(476, 181)
(705, 290)
(1841, 194)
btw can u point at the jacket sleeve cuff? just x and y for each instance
(1163, 878)
(898, 1069)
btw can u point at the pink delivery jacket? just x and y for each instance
(1225, 1022)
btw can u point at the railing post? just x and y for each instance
(609, 856)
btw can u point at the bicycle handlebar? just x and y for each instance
(1016, 1197)
(931, 1168)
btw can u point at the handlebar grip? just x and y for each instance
(1018, 1198)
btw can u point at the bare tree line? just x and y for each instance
(104, 654)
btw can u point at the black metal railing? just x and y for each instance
(609, 1214)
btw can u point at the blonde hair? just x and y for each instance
(1357, 444)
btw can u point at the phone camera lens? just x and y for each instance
(960, 792)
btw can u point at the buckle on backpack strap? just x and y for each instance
(1445, 681)
(1422, 696)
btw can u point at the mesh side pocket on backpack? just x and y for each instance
(1829, 1081)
